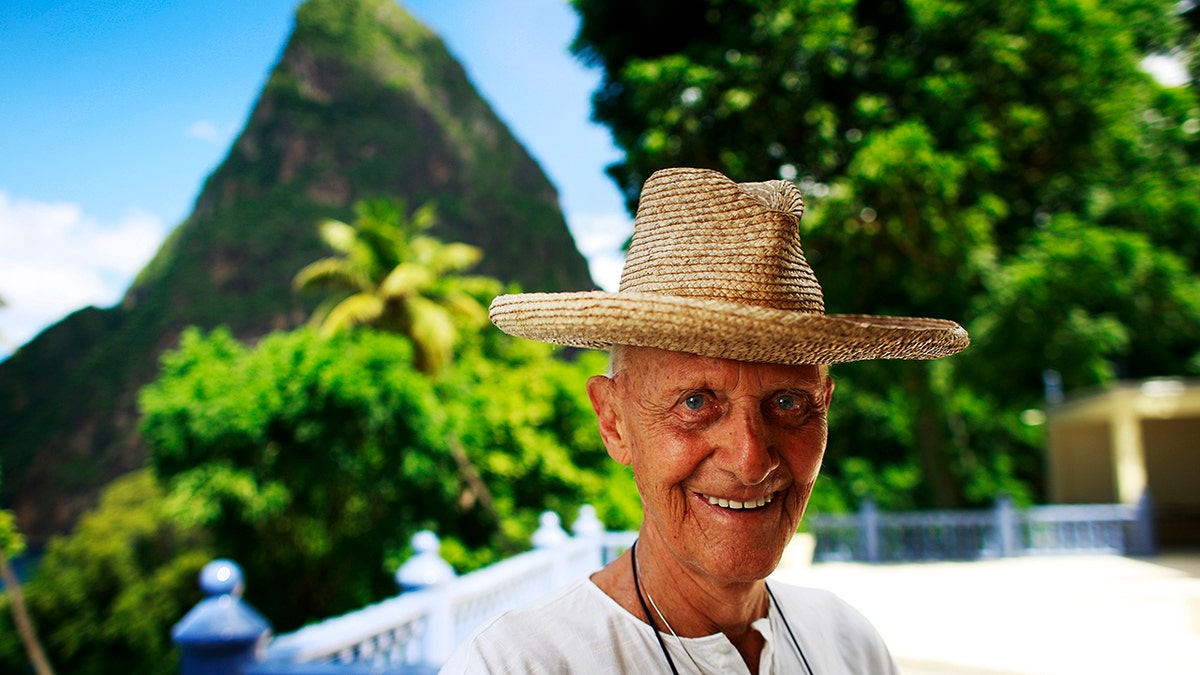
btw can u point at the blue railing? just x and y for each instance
(871, 535)
(415, 631)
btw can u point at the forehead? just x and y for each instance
(660, 369)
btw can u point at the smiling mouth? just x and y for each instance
(736, 505)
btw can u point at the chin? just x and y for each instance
(744, 562)
(745, 574)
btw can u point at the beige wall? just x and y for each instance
(1081, 466)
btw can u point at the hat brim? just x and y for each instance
(598, 320)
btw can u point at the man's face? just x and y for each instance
(724, 453)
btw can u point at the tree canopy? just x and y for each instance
(107, 595)
(1007, 165)
(312, 461)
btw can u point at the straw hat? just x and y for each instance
(715, 268)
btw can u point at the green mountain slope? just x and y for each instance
(364, 102)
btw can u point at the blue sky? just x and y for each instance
(113, 113)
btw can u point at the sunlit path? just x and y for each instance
(1033, 615)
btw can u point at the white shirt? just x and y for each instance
(582, 630)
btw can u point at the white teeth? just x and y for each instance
(734, 504)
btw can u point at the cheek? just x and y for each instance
(804, 456)
(661, 465)
(669, 456)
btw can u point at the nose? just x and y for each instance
(745, 448)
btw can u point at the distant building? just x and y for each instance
(1113, 445)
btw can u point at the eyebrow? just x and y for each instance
(694, 380)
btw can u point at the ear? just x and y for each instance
(602, 391)
(828, 390)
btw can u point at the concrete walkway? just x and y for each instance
(1029, 616)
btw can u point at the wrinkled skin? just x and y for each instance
(694, 428)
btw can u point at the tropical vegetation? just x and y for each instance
(110, 592)
(1009, 165)
(312, 459)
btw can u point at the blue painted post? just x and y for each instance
(1006, 526)
(1143, 526)
(222, 635)
(1053, 385)
(869, 521)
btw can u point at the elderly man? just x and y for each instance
(717, 399)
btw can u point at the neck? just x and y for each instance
(694, 605)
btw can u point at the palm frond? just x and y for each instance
(466, 307)
(361, 309)
(482, 289)
(406, 279)
(338, 235)
(432, 332)
(456, 257)
(336, 273)
(322, 311)
(423, 218)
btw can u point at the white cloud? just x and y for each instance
(600, 238)
(204, 130)
(606, 271)
(55, 259)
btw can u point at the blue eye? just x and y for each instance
(786, 402)
(694, 402)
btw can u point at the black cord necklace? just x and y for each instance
(638, 587)
(783, 617)
(663, 645)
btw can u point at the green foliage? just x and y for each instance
(391, 275)
(305, 458)
(1090, 302)
(109, 593)
(12, 544)
(1007, 165)
(312, 461)
(525, 419)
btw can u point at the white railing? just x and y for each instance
(417, 630)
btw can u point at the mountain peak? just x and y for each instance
(364, 102)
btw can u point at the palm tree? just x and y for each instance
(392, 276)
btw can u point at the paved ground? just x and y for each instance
(1028, 616)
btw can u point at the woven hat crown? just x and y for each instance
(701, 235)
